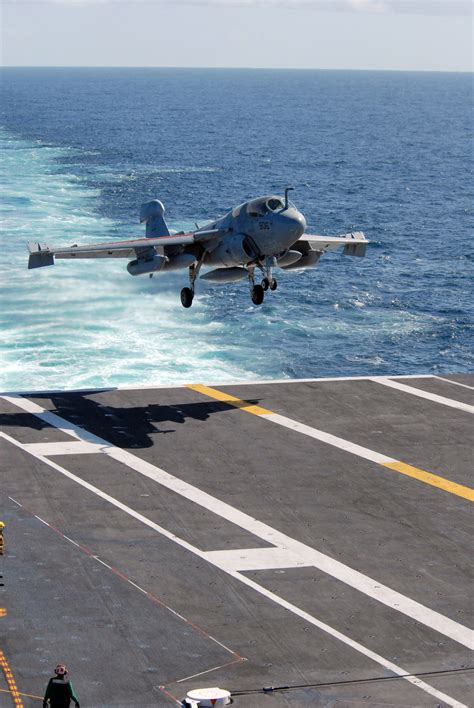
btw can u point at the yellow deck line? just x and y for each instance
(227, 398)
(434, 480)
(429, 478)
(11, 683)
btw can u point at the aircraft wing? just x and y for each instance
(42, 255)
(355, 243)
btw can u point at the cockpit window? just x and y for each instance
(274, 204)
(257, 207)
(237, 210)
(264, 205)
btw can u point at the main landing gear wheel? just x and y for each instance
(273, 284)
(265, 283)
(187, 296)
(257, 294)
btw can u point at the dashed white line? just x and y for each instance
(138, 587)
(71, 541)
(99, 560)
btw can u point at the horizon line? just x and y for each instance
(234, 68)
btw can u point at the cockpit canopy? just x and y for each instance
(264, 205)
(261, 206)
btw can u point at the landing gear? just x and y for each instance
(187, 294)
(187, 297)
(257, 294)
(272, 284)
(256, 291)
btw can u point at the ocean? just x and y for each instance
(388, 153)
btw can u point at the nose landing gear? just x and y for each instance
(257, 292)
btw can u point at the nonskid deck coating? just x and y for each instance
(185, 536)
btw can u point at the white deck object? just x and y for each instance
(208, 697)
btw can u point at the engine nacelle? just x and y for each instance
(140, 266)
(180, 260)
(309, 257)
(288, 258)
(233, 250)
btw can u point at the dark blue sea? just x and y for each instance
(384, 152)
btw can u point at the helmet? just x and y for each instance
(60, 670)
(2, 525)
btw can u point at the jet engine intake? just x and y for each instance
(233, 250)
(309, 257)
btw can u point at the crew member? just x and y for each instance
(2, 540)
(59, 690)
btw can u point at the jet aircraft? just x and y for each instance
(256, 236)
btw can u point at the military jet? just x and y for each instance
(254, 237)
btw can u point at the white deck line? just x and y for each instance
(424, 394)
(70, 447)
(306, 554)
(237, 382)
(347, 640)
(455, 383)
(328, 438)
(377, 658)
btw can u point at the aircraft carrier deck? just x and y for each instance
(313, 535)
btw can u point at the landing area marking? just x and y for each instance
(354, 578)
(384, 381)
(430, 478)
(151, 596)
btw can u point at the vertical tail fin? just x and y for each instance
(152, 214)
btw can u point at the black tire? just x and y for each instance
(257, 294)
(265, 283)
(187, 297)
(273, 284)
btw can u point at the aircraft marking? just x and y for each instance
(430, 478)
(424, 394)
(357, 646)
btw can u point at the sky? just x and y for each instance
(413, 35)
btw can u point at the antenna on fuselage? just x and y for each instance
(288, 189)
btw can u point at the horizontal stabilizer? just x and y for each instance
(40, 255)
(355, 249)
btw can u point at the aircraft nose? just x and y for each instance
(295, 222)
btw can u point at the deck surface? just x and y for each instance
(315, 535)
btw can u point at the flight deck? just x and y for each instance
(301, 542)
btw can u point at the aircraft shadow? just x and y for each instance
(126, 427)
